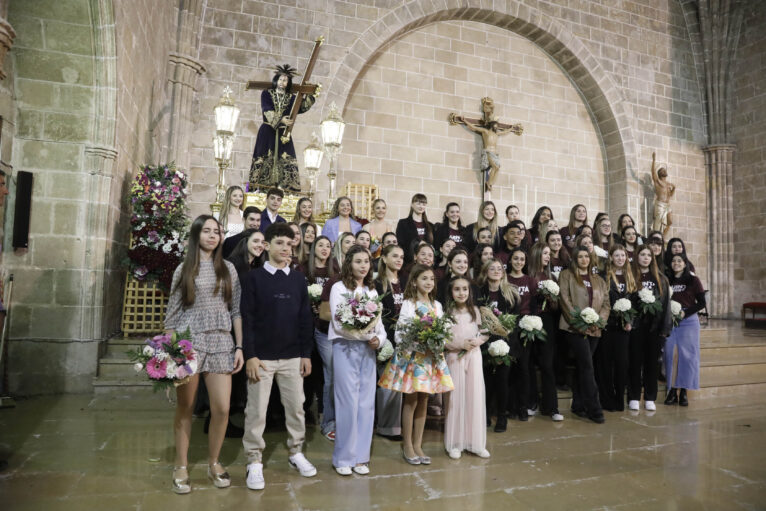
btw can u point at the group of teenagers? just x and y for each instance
(243, 291)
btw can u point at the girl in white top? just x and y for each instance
(354, 372)
(231, 211)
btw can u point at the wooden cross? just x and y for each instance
(300, 90)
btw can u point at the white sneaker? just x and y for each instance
(557, 417)
(649, 405)
(362, 470)
(344, 471)
(482, 454)
(633, 405)
(531, 412)
(302, 465)
(254, 476)
(454, 454)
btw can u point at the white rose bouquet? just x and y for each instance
(583, 319)
(315, 293)
(677, 311)
(532, 329)
(498, 353)
(549, 291)
(385, 351)
(623, 310)
(648, 302)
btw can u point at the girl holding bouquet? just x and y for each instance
(204, 298)
(465, 425)
(611, 357)
(653, 325)
(415, 370)
(527, 288)
(353, 358)
(497, 293)
(545, 305)
(388, 404)
(584, 302)
(685, 338)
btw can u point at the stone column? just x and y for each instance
(7, 34)
(719, 165)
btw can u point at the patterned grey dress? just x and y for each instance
(209, 319)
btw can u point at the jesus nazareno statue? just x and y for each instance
(274, 161)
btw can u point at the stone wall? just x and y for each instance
(750, 168)
(642, 74)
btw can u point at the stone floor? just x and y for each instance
(80, 453)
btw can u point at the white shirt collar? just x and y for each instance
(273, 269)
(272, 216)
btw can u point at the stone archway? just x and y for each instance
(598, 90)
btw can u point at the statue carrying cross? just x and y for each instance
(274, 161)
(490, 129)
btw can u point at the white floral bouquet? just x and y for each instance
(600, 252)
(676, 310)
(315, 293)
(169, 360)
(586, 318)
(648, 302)
(359, 313)
(385, 351)
(624, 311)
(498, 353)
(549, 291)
(532, 329)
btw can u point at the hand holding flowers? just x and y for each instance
(532, 329)
(549, 290)
(623, 310)
(586, 319)
(677, 311)
(649, 305)
(169, 360)
(498, 353)
(358, 314)
(425, 332)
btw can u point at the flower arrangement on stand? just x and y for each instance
(159, 224)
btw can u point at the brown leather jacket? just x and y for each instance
(573, 295)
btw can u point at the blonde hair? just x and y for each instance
(509, 292)
(224, 214)
(481, 222)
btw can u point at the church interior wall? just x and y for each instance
(749, 122)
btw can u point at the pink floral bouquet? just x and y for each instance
(359, 313)
(169, 360)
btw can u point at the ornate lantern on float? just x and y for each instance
(332, 136)
(226, 116)
(312, 159)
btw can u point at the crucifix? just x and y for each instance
(274, 162)
(490, 129)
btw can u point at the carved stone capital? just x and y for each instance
(185, 69)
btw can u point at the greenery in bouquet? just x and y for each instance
(623, 310)
(496, 322)
(648, 303)
(531, 329)
(167, 360)
(549, 290)
(498, 353)
(676, 310)
(159, 224)
(583, 319)
(359, 312)
(425, 332)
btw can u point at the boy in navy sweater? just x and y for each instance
(277, 341)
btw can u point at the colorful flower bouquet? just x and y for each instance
(498, 353)
(624, 311)
(358, 314)
(676, 310)
(549, 290)
(583, 319)
(159, 224)
(648, 302)
(425, 332)
(315, 293)
(169, 360)
(532, 329)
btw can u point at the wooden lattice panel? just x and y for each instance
(143, 307)
(362, 196)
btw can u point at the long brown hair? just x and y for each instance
(383, 268)
(347, 273)
(311, 263)
(627, 271)
(653, 268)
(470, 304)
(297, 216)
(571, 225)
(411, 291)
(535, 261)
(190, 267)
(575, 268)
(419, 197)
(508, 291)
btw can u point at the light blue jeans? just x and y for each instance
(328, 400)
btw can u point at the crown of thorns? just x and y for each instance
(286, 69)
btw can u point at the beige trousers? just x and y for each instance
(287, 373)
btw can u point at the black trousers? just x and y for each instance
(519, 379)
(584, 389)
(496, 384)
(611, 367)
(543, 356)
(643, 367)
(313, 384)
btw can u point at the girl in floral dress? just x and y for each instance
(417, 375)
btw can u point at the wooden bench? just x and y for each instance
(754, 307)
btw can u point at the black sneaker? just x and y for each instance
(598, 418)
(501, 425)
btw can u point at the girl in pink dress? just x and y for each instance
(465, 428)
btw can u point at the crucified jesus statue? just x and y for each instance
(663, 192)
(490, 130)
